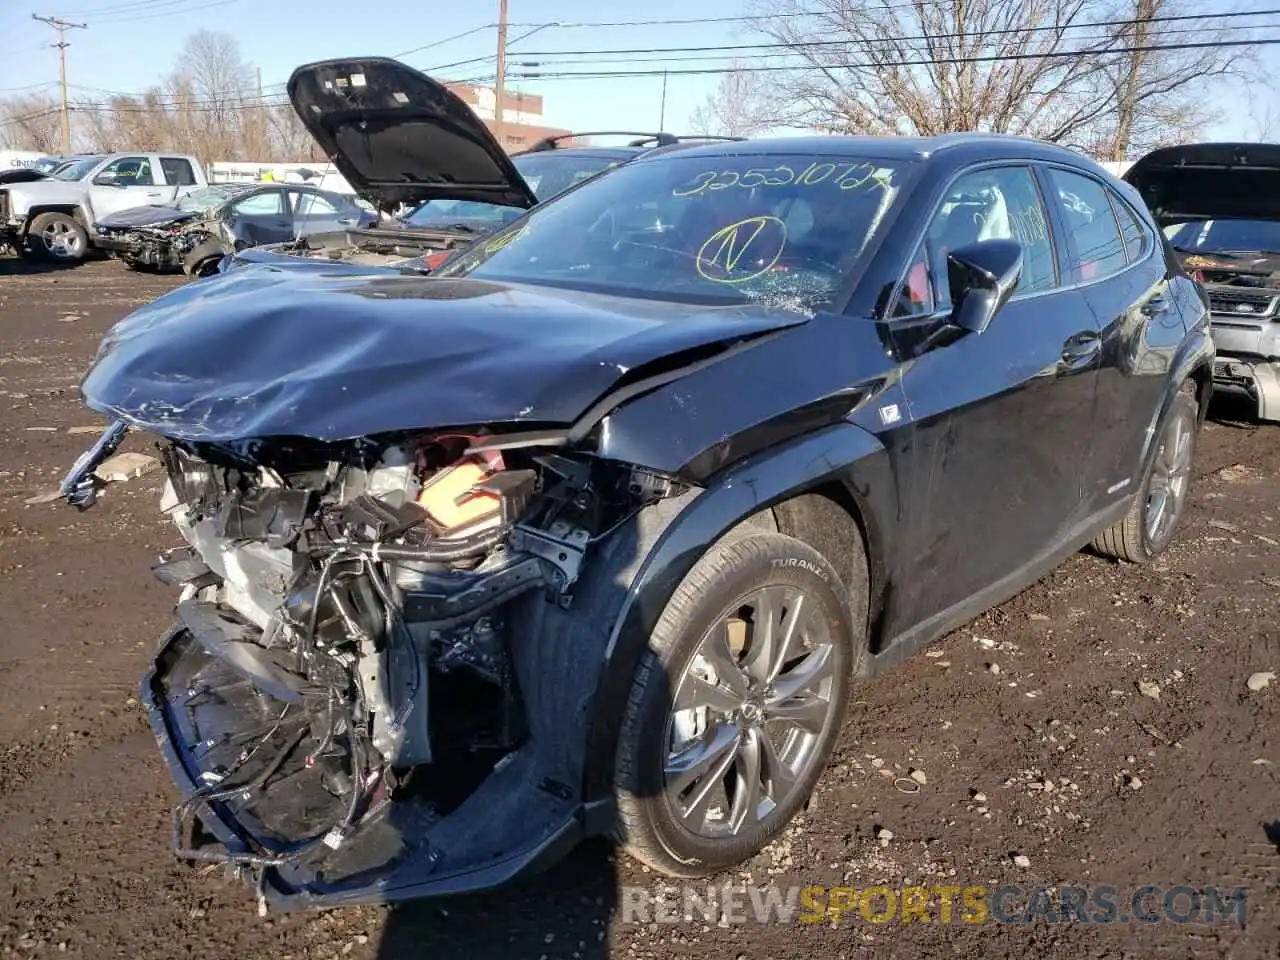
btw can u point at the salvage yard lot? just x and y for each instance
(1036, 706)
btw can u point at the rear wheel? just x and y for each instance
(58, 237)
(736, 706)
(1158, 504)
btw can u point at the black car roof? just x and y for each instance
(598, 153)
(891, 148)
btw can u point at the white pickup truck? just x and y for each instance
(53, 218)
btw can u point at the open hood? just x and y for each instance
(1210, 181)
(398, 136)
(329, 355)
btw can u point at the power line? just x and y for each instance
(972, 35)
(738, 19)
(800, 52)
(441, 43)
(770, 68)
(30, 116)
(114, 9)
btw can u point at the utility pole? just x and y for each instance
(500, 83)
(62, 26)
(662, 114)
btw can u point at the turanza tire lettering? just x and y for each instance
(802, 564)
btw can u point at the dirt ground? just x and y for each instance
(1079, 772)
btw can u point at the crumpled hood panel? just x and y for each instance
(145, 217)
(263, 352)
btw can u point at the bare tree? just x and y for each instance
(738, 107)
(207, 107)
(1264, 121)
(1150, 98)
(31, 122)
(1028, 67)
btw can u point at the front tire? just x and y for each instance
(58, 238)
(1157, 505)
(736, 705)
(203, 260)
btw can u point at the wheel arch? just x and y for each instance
(1192, 362)
(839, 476)
(73, 210)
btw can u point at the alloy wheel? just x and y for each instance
(749, 712)
(60, 239)
(1170, 480)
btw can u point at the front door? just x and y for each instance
(1002, 419)
(124, 183)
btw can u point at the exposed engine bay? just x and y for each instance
(1244, 304)
(354, 644)
(403, 248)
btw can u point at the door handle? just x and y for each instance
(1155, 305)
(348, 221)
(1079, 350)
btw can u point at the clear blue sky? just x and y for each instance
(132, 43)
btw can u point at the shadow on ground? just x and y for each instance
(564, 912)
(13, 266)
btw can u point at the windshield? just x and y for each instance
(547, 173)
(77, 169)
(1226, 236)
(780, 229)
(200, 201)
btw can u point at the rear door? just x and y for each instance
(126, 182)
(1003, 419)
(179, 176)
(262, 217)
(1121, 269)
(317, 213)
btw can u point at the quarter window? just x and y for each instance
(1137, 238)
(1001, 203)
(1091, 222)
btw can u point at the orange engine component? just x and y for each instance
(455, 499)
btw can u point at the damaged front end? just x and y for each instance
(353, 699)
(158, 246)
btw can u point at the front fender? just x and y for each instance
(843, 453)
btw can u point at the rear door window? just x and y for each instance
(177, 171)
(1090, 222)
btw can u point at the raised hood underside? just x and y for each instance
(400, 137)
(1210, 181)
(265, 352)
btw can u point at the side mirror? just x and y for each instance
(982, 277)
(107, 180)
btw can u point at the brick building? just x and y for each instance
(522, 122)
